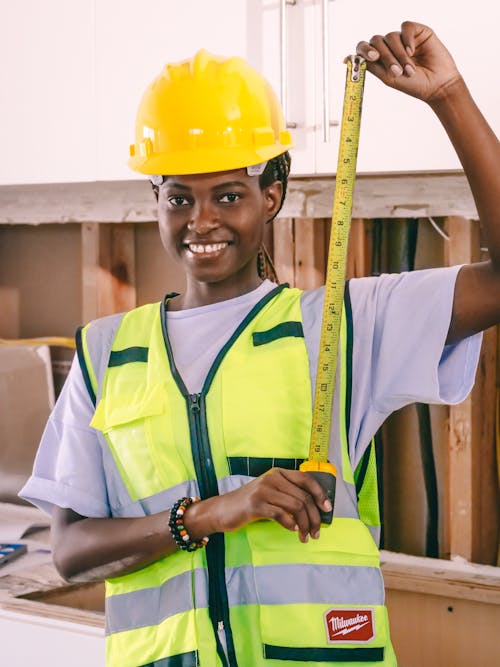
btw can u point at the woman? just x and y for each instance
(208, 394)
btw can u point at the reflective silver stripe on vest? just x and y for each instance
(293, 583)
(151, 606)
(345, 506)
(100, 336)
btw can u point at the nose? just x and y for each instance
(204, 218)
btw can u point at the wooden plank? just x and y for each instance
(433, 576)
(284, 250)
(438, 631)
(108, 269)
(473, 488)
(309, 253)
(359, 253)
(9, 312)
(376, 196)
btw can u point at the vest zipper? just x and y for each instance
(218, 606)
(207, 482)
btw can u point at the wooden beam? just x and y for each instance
(310, 253)
(396, 195)
(9, 312)
(359, 253)
(108, 269)
(473, 487)
(284, 250)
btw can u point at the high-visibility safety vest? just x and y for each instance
(257, 596)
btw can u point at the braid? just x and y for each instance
(276, 169)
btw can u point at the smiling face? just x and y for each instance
(213, 224)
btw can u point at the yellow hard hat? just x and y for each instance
(207, 114)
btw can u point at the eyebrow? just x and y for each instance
(227, 184)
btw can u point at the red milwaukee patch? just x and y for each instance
(349, 625)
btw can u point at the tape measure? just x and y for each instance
(335, 276)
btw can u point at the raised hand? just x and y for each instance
(412, 60)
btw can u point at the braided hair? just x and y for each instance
(277, 169)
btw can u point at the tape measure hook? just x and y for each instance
(356, 62)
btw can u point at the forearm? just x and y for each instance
(479, 152)
(95, 549)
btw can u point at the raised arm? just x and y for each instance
(415, 62)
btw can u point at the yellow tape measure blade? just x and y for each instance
(337, 258)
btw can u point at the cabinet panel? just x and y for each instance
(399, 133)
(133, 42)
(47, 95)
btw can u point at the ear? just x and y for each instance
(272, 198)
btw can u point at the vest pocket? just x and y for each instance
(320, 602)
(126, 422)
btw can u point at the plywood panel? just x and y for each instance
(310, 253)
(440, 631)
(284, 250)
(108, 269)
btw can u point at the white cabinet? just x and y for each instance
(398, 133)
(47, 92)
(73, 74)
(35, 640)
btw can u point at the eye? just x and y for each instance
(229, 198)
(178, 200)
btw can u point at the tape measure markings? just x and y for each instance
(337, 259)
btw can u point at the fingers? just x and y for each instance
(301, 496)
(387, 56)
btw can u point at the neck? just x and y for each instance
(202, 294)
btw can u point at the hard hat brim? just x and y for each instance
(203, 161)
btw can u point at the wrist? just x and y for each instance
(199, 519)
(451, 94)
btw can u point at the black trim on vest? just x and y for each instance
(362, 468)
(83, 365)
(254, 466)
(283, 330)
(205, 475)
(189, 659)
(128, 356)
(324, 654)
(349, 345)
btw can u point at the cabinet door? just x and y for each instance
(47, 94)
(399, 133)
(289, 66)
(133, 42)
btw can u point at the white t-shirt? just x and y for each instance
(400, 324)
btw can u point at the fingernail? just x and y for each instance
(410, 70)
(315, 535)
(295, 527)
(327, 506)
(396, 69)
(409, 51)
(372, 55)
(306, 538)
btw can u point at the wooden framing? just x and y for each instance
(108, 269)
(473, 484)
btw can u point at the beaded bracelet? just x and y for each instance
(177, 528)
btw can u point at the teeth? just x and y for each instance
(198, 248)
